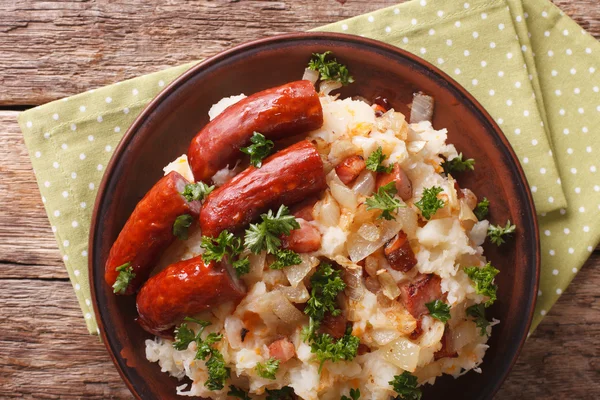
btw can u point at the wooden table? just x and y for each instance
(53, 49)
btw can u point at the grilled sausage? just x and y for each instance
(149, 230)
(286, 177)
(399, 253)
(403, 183)
(334, 326)
(424, 289)
(276, 113)
(184, 289)
(304, 209)
(349, 169)
(303, 240)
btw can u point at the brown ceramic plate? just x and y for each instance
(164, 129)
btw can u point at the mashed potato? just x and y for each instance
(443, 246)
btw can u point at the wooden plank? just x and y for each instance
(53, 49)
(47, 353)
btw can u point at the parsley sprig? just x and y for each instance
(217, 371)
(439, 310)
(326, 348)
(477, 311)
(457, 164)
(181, 226)
(285, 258)
(268, 369)
(330, 69)
(429, 203)
(259, 149)
(496, 232)
(482, 209)
(375, 159)
(226, 244)
(235, 391)
(125, 276)
(354, 395)
(265, 235)
(197, 191)
(285, 393)
(484, 281)
(385, 201)
(405, 386)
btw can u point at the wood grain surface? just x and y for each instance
(52, 49)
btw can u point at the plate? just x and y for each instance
(165, 128)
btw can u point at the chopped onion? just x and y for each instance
(285, 311)
(466, 216)
(407, 217)
(355, 288)
(296, 273)
(364, 184)
(310, 75)
(452, 195)
(470, 198)
(359, 248)
(343, 195)
(369, 231)
(402, 353)
(327, 211)
(479, 232)
(372, 265)
(384, 336)
(257, 265)
(372, 284)
(463, 334)
(388, 285)
(233, 330)
(327, 87)
(421, 108)
(342, 149)
(399, 316)
(298, 294)
(415, 146)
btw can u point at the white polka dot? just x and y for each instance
(500, 121)
(590, 249)
(501, 27)
(566, 32)
(82, 156)
(558, 291)
(88, 302)
(73, 175)
(548, 233)
(413, 21)
(77, 286)
(89, 316)
(569, 151)
(509, 102)
(554, 72)
(108, 147)
(370, 19)
(534, 189)
(517, 84)
(467, 5)
(56, 213)
(90, 138)
(542, 171)
(457, 24)
(517, 131)
(547, 33)
(82, 108)
(484, 16)
(561, 111)
(566, 131)
(474, 82)
(91, 186)
(135, 91)
(586, 228)
(66, 243)
(483, 63)
(539, 292)
(576, 90)
(573, 170)
(47, 135)
(554, 272)
(108, 100)
(99, 167)
(440, 60)
(344, 27)
(76, 272)
(65, 258)
(73, 127)
(566, 231)
(457, 71)
(65, 194)
(588, 149)
(492, 92)
(571, 250)
(449, 42)
(574, 270)
(500, 74)
(84, 253)
(569, 52)
(423, 50)
(543, 312)
(53, 229)
(440, 13)
(64, 146)
(74, 224)
(55, 117)
(117, 129)
(519, 18)
(475, 35)
(126, 110)
(573, 71)
(592, 168)
(550, 199)
(557, 92)
(43, 200)
(99, 119)
(526, 113)
(580, 110)
(509, 55)
(596, 89)
(405, 40)
(82, 204)
(467, 53)
(550, 53)
(563, 211)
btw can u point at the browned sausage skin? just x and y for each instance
(399, 253)
(305, 239)
(276, 113)
(286, 177)
(424, 289)
(184, 289)
(403, 183)
(149, 230)
(349, 169)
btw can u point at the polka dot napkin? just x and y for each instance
(532, 67)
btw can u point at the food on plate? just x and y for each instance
(349, 264)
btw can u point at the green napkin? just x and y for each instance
(531, 67)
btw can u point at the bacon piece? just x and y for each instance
(282, 349)
(414, 335)
(422, 290)
(303, 240)
(363, 349)
(399, 253)
(334, 326)
(445, 352)
(403, 183)
(349, 169)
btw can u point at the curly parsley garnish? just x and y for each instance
(429, 203)
(385, 201)
(482, 209)
(326, 284)
(182, 225)
(268, 369)
(457, 164)
(375, 159)
(197, 191)
(405, 386)
(125, 276)
(226, 244)
(484, 281)
(354, 395)
(496, 232)
(330, 70)
(439, 310)
(477, 311)
(285, 393)
(326, 348)
(259, 149)
(285, 258)
(217, 371)
(265, 235)
(235, 391)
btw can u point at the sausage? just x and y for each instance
(149, 230)
(184, 289)
(286, 177)
(403, 183)
(349, 169)
(282, 349)
(334, 326)
(424, 289)
(399, 254)
(304, 209)
(303, 240)
(282, 111)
